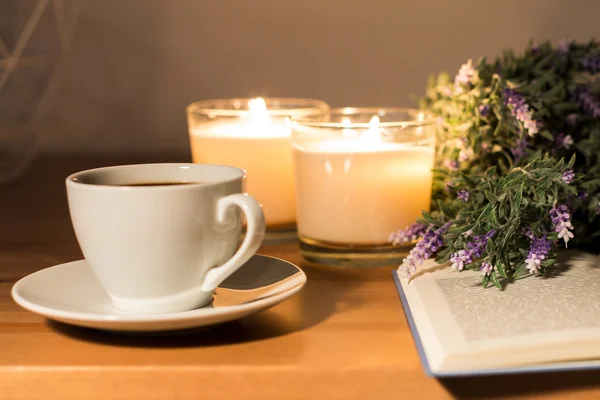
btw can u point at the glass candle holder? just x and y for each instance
(361, 173)
(254, 134)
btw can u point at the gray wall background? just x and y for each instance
(136, 64)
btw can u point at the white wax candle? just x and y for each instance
(358, 191)
(261, 146)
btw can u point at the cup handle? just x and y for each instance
(255, 232)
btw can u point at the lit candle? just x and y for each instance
(253, 134)
(359, 181)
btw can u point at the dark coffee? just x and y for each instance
(156, 184)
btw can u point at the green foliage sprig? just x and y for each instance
(504, 198)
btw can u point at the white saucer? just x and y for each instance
(70, 293)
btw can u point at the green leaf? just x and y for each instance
(446, 210)
(493, 220)
(498, 129)
(430, 220)
(492, 198)
(442, 259)
(500, 269)
(514, 224)
(444, 252)
(515, 204)
(495, 281)
(546, 134)
(490, 247)
(486, 281)
(548, 262)
(470, 182)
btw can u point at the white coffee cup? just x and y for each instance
(163, 248)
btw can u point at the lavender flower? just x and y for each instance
(407, 235)
(480, 242)
(572, 119)
(521, 111)
(451, 165)
(519, 150)
(528, 233)
(591, 64)
(486, 268)
(587, 101)
(464, 78)
(564, 46)
(431, 242)
(484, 110)
(568, 176)
(538, 251)
(563, 141)
(465, 154)
(561, 218)
(463, 195)
(583, 195)
(460, 259)
(446, 91)
(475, 249)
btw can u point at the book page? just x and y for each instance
(533, 320)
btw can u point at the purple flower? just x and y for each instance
(572, 119)
(561, 218)
(465, 154)
(521, 111)
(537, 253)
(460, 259)
(568, 176)
(431, 242)
(480, 242)
(591, 64)
(583, 195)
(486, 268)
(474, 249)
(446, 91)
(407, 235)
(564, 46)
(587, 101)
(451, 165)
(528, 233)
(519, 150)
(563, 141)
(484, 110)
(463, 195)
(464, 78)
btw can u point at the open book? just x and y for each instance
(535, 324)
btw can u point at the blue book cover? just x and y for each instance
(542, 367)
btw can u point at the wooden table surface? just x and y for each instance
(344, 336)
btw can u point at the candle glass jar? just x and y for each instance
(254, 134)
(361, 173)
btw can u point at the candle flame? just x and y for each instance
(257, 105)
(347, 122)
(374, 134)
(258, 109)
(374, 122)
